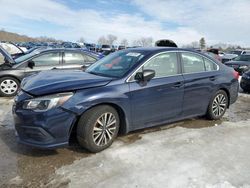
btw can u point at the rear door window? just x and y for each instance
(192, 63)
(209, 65)
(77, 58)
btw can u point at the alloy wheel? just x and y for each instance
(104, 129)
(219, 105)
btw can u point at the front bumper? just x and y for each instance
(46, 130)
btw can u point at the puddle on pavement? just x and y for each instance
(32, 167)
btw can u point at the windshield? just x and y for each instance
(115, 65)
(26, 56)
(242, 58)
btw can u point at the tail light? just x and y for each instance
(236, 74)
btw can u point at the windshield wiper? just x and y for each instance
(97, 73)
(101, 74)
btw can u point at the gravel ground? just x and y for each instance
(191, 153)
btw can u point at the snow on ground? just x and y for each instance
(211, 157)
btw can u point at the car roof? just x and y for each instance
(155, 50)
(64, 49)
(160, 49)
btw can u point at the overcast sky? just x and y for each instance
(183, 21)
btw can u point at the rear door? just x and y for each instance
(200, 80)
(76, 60)
(161, 98)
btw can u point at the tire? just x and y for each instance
(246, 90)
(95, 135)
(9, 86)
(218, 105)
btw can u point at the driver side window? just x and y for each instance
(164, 65)
(47, 59)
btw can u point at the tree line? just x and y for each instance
(110, 39)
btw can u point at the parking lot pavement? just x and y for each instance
(190, 153)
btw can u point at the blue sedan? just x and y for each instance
(128, 90)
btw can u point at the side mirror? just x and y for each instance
(31, 64)
(145, 76)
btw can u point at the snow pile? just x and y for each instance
(179, 157)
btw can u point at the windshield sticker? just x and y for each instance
(133, 54)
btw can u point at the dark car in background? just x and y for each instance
(91, 47)
(70, 45)
(240, 63)
(121, 47)
(13, 71)
(127, 90)
(245, 81)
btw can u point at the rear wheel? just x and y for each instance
(8, 86)
(97, 128)
(218, 105)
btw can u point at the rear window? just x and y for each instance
(105, 46)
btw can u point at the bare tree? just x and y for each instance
(144, 41)
(102, 40)
(195, 44)
(81, 40)
(111, 39)
(124, 42)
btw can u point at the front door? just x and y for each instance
(46, 61)
(160, 99)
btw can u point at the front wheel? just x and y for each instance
(97, 128)
(218, 105)
(8, 86)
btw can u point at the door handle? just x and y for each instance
(177, 85)
(212, 78)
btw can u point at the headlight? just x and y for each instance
(46, 102)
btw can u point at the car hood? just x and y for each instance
(237, 63)
(6, 55)
(55, 81)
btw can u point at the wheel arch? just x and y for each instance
(123, 129)
(228, 95)
(10, 76)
